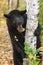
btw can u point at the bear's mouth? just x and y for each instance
(20, 28)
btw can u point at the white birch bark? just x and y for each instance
(12, 4)
(32, 22)
(9, 4)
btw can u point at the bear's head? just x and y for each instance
(16, 19)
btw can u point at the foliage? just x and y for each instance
(29, 50)
(33, 60)
(22, 5)
(41, 12)
(41, 19)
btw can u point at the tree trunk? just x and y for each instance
(13, 4)
(32, 22)
(9, 4)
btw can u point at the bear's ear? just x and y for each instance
(7, 15)
(22, 12)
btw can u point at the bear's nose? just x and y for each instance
(20, 28)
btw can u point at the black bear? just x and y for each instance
(16, 22)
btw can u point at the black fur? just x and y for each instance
(18, 46)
